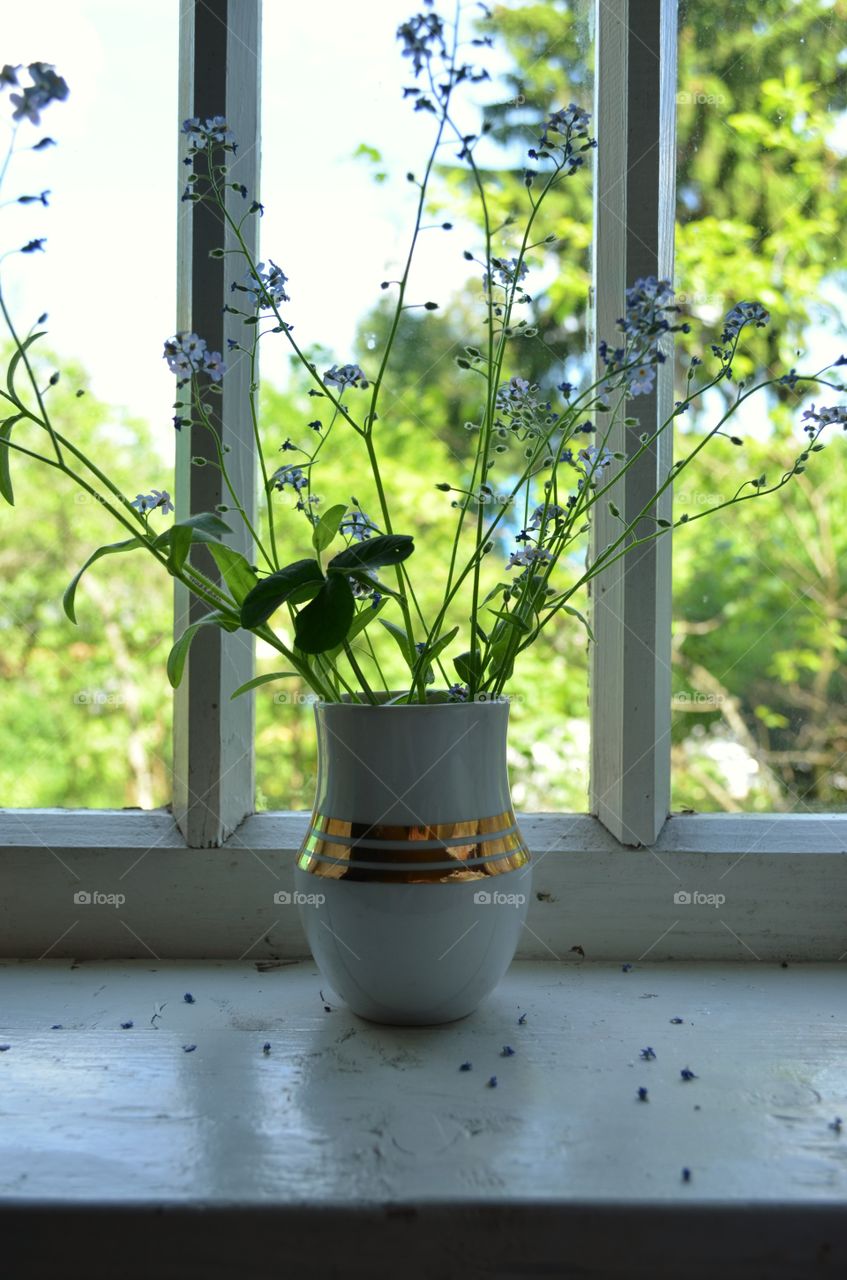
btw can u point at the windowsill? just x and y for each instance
(118, 1137)
(782, 878)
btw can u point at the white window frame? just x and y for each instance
(201, 881)
(213, 772)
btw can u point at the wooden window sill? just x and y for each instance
(358, 1150)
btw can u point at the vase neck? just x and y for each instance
(412, 765)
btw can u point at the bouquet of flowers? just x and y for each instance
(539, 465)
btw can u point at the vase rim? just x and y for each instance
(438, 702)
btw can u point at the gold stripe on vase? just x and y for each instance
(424, 853)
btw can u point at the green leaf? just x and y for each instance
(469, 667)
(409, 654)
(575, 613)
(387, 549)
(496, 590)
(179, 546)
(267, 595)
(16, 359)
(178, 539)
(533, 595)
(206, 525)
(500, 650)
(429, 655)
(327, 527)
(179, 652)
(362, 619)
(113, 548)
(5, 459)
(257, 680)
(325, 622)
(236, 571)
(511, 620)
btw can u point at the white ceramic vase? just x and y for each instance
(413, 880)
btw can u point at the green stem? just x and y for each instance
(25, 358)
(206, 422)
(360, 675)
(254, 417)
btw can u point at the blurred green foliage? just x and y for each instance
(85, 716)
(760, 594)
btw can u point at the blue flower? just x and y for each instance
(39, 199)
(649, 302)
(548, 514)
(528, 557)
(742, 314)
(291, 476)
(641, 381)
(514, 392)
(46, 82)
(349, 375)
(358, 526)
(185, 354)
(422, 36)
(365, 591)
(595, 458)
(570, 119)
(507, 272)
(145, 502)
(46, 87)
(266, 286)
(214, 130)
(833, 415)
(571, 125)
(213, 365)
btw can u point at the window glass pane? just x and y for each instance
(85, 711)
(338, 142)
(759, 687)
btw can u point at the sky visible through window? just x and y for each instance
(108, 273)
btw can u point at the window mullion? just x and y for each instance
(213, 737)
(631, 601)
